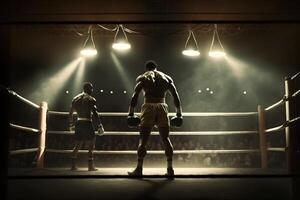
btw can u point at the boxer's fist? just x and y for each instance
(177, 121)
(100, 129)
(71, 126)
(133, 120)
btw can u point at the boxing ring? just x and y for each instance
(288, 101)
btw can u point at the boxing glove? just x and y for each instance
(133, 120)
(176, 121)
(71, 126)
(100, 130)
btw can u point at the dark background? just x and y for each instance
(38, 39)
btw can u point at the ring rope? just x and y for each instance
(277, 149)
(296, 93)
(283, 126)
(295, 76)
(23, 151)
(23, 128)
(23, 99)
(187, 114)
(179, 133)
(126, 152)
(293, 120)
(160, 152)
(275, 104)
(277, 128)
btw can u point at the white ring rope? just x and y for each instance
(120, 152)
(275, 105)
(187, 114)
(277, 128)
(182, 133)
(23, 128)
(295, 76)
(281, 127)
(127, 152)
(23, 99)
(22, 151)
(296, 93)
(277, 149)
(293, 120)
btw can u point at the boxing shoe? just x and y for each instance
(73, 167)
(91, 166)
(136, 172)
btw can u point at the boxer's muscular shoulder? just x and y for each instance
(77, 97)
(169, 79)
(140, 78)
(93, 100)
(165, 77)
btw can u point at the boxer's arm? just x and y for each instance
(138, 88)
(95, 113)
(177, 102)
(71, 112)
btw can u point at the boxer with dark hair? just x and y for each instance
(85, 106)
(154, 112)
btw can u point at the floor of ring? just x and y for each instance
(63, 184)
(146, 171)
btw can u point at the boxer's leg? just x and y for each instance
(142, 151)
(91, 145)
(164, 134)
(78, 144)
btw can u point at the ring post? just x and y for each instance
(291, 130)
(287, 128)
(262, 137)
(42, 136)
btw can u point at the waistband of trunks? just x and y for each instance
(84, 119)
(154, 100)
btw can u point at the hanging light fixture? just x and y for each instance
(89, 48)
(191, 47)
(120, 40)
(216, 48)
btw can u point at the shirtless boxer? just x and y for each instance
(85, 106)
(154, 111)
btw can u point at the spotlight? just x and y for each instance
(199, 91)
(211, 92)
(111, 92)
(121, 46)
(245, 92)
(67, 91)
(191, 47)
(124, 91)
(207, 89)
(101, 91)
(89, 48)
(190, 52)
(216, 49)
(121, 41)
(88, 52)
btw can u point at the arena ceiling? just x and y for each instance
(132, 11)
